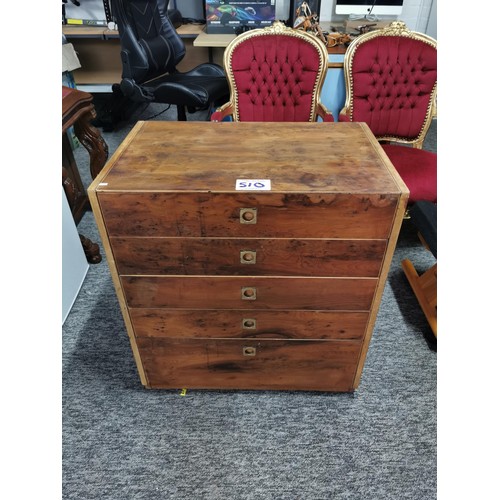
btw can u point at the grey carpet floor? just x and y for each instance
(121, 441)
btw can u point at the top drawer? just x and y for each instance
(248, 215)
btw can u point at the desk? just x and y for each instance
(206, 40)
(203, 39)
(219, 41)
(70, 31)
(228, 283)
(77, 112)
(98, 50)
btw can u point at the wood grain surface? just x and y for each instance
(196, 292)
(258, 257)
(277, 215)
(276, 364)
(210, 157)
(228, 288)
(242, 323)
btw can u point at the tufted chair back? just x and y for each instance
(391, 77)
(275, 74)
(391, 84)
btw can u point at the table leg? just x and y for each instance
(74, 196)
(91, 249)
(72, 182)
(93, 142)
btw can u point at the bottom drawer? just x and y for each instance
(250, 364)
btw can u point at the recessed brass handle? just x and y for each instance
(249, 324)
(249, 351)
(248, 293)
(248, 215)
(248, 256)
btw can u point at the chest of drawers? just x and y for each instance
(249, 255)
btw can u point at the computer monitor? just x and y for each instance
(233, 16)
(369, 7)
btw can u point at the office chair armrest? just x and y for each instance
(222, 112)
(324, 114)
(135, 92)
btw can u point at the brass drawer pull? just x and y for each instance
(249, 351)
(248, 215)
(248, 293)
(249, 324)
(248, 257)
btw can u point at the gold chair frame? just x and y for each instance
(399, 29)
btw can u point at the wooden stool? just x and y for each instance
(78, 110)
(423, 215)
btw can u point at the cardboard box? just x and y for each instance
(70, 60)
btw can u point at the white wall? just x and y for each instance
(432, 24)
(419, 15)
(74, 262)
(416, 14)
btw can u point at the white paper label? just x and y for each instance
(253, 185)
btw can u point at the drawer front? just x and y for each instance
(236, 257)
(189, 292)
(248, 216)
(168, 323)
(250, 364)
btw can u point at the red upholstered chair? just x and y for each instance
(391, 78)
(275, 75)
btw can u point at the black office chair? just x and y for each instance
(150, 51)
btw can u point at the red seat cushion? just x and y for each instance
(417, 168)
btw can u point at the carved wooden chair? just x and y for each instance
(391, 84)
(275, 74)
(78, 112)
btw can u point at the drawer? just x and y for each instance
(248, 216)
(242, 292)
(221, 256)
(176, 323)
(250, 364)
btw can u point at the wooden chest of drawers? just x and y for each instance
(249, 255)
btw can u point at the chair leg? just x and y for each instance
(181, 113)
(425, 289)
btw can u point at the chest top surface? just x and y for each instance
(211, 157)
